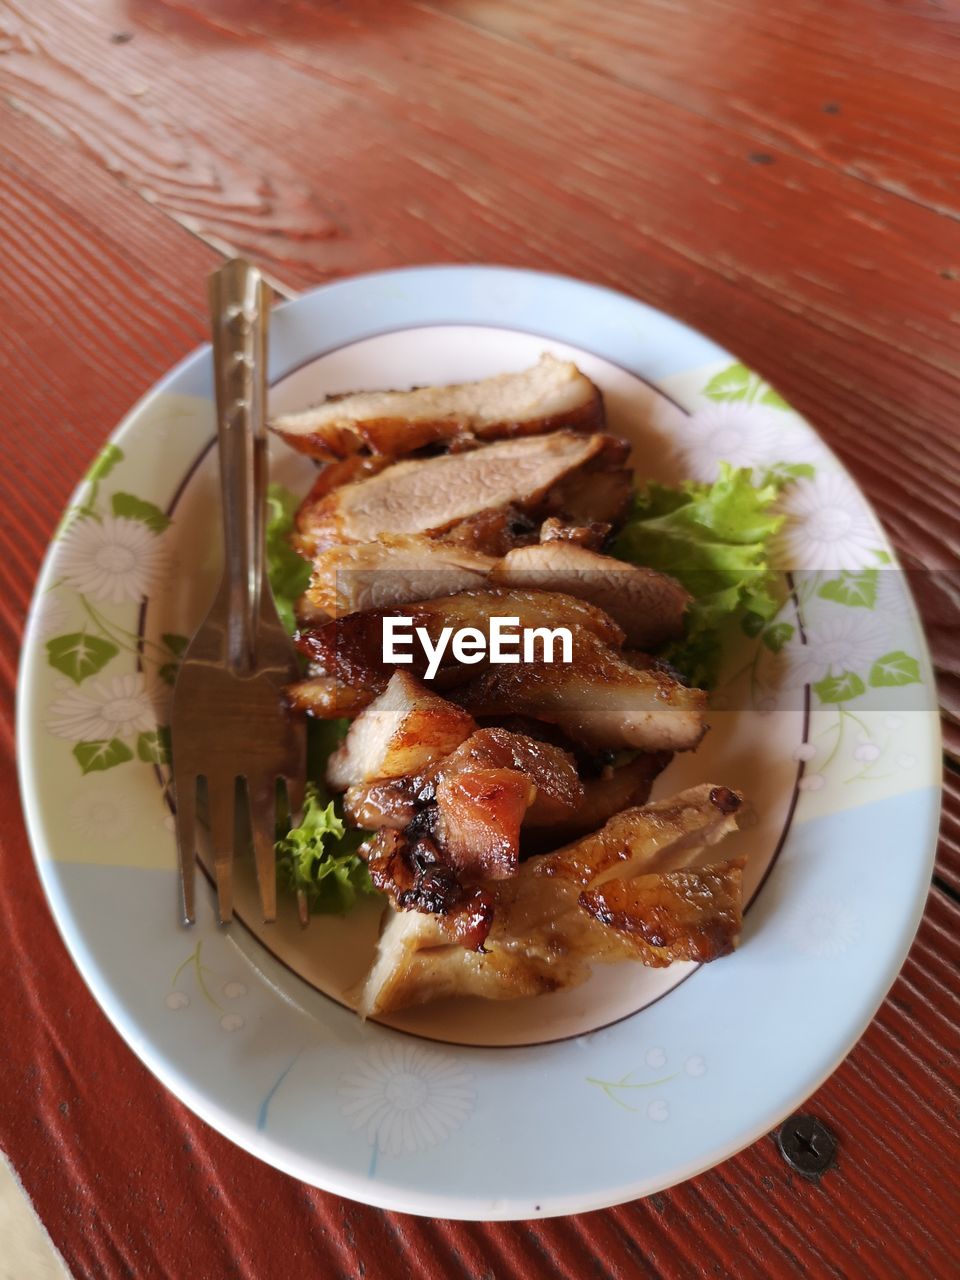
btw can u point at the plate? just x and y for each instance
(638, 1079)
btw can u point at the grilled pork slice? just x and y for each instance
(625, 787)
(402, 732)
(599, 699)
(391, 571)
(679, 915)
(601, 492)
(431, 495)
(554, 811)
(351, 647)
(655, 837)
(331, 477)
(648, 605)
(553, 393)
(547, 931)
(416, 963)
(483, 792)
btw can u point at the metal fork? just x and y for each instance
(229, 727)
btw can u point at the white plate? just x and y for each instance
(552, 1105)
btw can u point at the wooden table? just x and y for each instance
(784, 177)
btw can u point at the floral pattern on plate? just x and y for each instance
(406, 1098)
(110, 556)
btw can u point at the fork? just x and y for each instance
(230, 731)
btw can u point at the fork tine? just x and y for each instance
(263, 824)
(221, 808)
(185, 811)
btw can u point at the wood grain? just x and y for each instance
(328, 138)
(800, 79)
(843, 292)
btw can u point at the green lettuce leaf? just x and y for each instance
(715, 540)
(289, 573)
(319, 857)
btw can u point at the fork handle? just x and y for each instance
(239, 309)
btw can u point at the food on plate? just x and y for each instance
(648, 605)
(391, 424)
(535, 474)
(677, 915)
(544, 929)
(505, 646)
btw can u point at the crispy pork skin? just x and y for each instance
(678, 915)
(402, 732)
(648, 605)
(551, 394)
(430, 495)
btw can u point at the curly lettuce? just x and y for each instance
(319, 859)
(715, 539)
(288, 572)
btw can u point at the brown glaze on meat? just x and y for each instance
(653, 837)
(486, 789)
(415, 878)
(402, 732)
(677, 915)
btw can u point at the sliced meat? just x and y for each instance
(391, 571)
(547, 931)
(598, 699)
(658, 837)
(492, 533)
(603, 797)
(430, 495)
(648, 605)
(416, 963)
(551, 394)
(402, 732)
(331, 477)
(482, 809)
(484, 791)
(600, 493)
(678, 915)
(351, 648)
(416, 880)
(390, 802)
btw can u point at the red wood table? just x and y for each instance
(784, 177)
